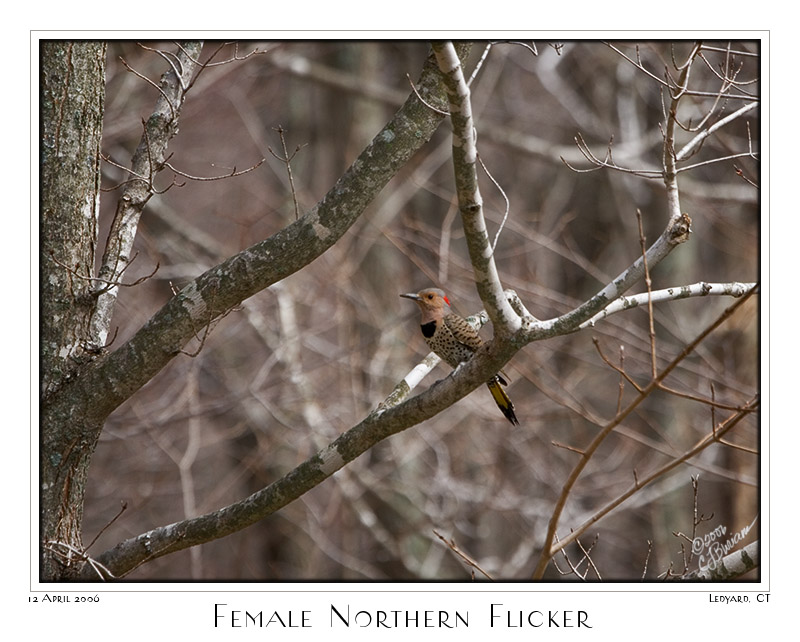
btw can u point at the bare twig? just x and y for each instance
(286, 159)
(451, 545)
(207, 328)
(607, 162)
(727, 76)
(574, 567)
(740, 174)
(425, 102)
(479, 64)
(109, 284)
(619, 369)
(638, 64)
(234, 58)
(696, 521)
(647, 559)
(558, 444)
(712, 403)
(152, 84)
(648, 282)
(721, 159)
(232, 173)
(122, 509)
(69, 555)
(136, 176)
(586, 555)
(729, 50)
(621, 373)
(505, 198)
(172, 60)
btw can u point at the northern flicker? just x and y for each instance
(455, 340)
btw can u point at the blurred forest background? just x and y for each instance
(304, 360)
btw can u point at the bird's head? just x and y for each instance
(433, 302)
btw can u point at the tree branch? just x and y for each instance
(146, 162)
(676, 232)
(669, 158)
(702, 288)
(730, 567)
(693, 144)
(470, 203)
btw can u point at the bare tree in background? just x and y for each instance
(223, 342)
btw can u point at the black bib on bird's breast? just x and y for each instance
(428, 329)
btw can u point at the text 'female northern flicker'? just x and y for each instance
(455, 341)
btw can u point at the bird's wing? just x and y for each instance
(463, 332)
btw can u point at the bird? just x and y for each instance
(454, 340)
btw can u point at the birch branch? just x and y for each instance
(470, 202)
(676, 232)
(730, 567)
(148, 159)
(695, 142)
(669, 157)
(702, 288)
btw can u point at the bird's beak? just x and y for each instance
(411, 295)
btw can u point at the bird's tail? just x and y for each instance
(502, 399)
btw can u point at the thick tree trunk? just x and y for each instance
(72, 93)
